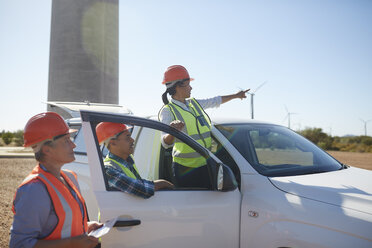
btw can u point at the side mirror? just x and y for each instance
(225, 179)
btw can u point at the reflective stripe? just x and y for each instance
(203, 135)
(178, 116)
(185, 155)
(29, 178)
(69, 209)
(176, 112)
(200, 110)
(66, 228)
(196, 106)
(197, 126)
(71, 179)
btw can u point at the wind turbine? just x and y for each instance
(252, 95)
(289, 116)
(365, 126)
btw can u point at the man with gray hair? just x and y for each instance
(49, 210)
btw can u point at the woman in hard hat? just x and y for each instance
(49, 210)
(187, 114)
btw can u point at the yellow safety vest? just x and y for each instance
(198, 126)
(126, 171)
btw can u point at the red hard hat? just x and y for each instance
(175, 73)
(44, 126)
(107, 130)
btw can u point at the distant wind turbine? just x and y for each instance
(289, 116)
(365, 125)
(252, 95)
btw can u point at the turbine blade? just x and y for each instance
(259, 86)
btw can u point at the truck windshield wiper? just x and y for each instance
(344, 166)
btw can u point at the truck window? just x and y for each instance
(152, 160)
(218, 150)
(277, 151)
(165, 164)
(80, 143)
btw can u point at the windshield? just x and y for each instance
(277, 151)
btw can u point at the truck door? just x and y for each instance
(171, 218)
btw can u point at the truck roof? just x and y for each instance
(71, 109)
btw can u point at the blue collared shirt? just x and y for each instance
(117, 179)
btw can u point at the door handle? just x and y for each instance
(124, 223)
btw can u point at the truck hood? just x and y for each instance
(349, 188)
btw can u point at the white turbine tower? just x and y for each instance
(252, 95)
(365, 125)
(289, 116)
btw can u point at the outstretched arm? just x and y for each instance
(240, 94)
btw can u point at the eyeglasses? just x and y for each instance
(116, 137)
(180, 83)
(59, 136)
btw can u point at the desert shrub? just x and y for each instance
(347, 143)
(349, 147)
(318, 137)
(18, 138)
(366, 140)
(7, 138)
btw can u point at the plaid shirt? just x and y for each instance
(117, 179)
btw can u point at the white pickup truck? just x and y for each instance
(271, 188)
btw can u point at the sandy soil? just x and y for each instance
(357, 159)
(12, 173)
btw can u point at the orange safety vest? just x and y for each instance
(71, 223)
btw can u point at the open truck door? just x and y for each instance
(182, 217)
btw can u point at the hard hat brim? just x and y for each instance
(106, 141)
(72, 130)
(164, 82)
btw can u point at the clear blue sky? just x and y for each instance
(315, 55)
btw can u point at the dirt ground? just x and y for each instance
(357, 159)
(13, 171)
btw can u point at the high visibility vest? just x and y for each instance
(108, 162)
(71, 221)
(198, 126)
(112, 162)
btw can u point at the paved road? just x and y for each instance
(15, 152)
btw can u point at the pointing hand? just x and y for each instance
(241, 94)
